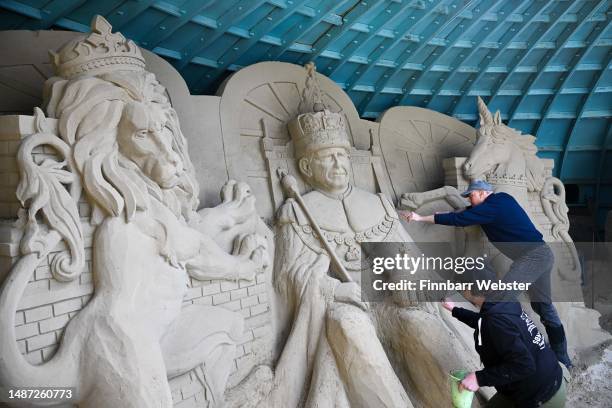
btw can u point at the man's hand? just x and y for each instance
(350, 292)
(409, 215)
(469, 383)
(448, 304)
(412, 216)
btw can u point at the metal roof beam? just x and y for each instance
(397, 11)
(579, 117)
(458, 67)
(296, 32)
(200, 42)
(548, 26)
(492, 55)
(605, 149)
(375, 57)
(321, 43)
(563, 38)
(172, 23)
(52, 11)
(415, 78)
(406, 54)
(20, 8)
(126, 12)
(462, 68)
(240, 47)
(561, 86)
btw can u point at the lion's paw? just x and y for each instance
(238, 202)
(236, 193)
(253, 251)
(411, 201)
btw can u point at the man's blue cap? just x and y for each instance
(477, 185)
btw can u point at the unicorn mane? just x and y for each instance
(500, 133)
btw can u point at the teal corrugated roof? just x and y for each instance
(544, 64)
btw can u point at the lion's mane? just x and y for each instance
(89, 110)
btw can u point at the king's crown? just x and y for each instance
(316, 127)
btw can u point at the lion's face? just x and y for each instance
(145, 138)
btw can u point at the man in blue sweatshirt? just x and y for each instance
(509, 228)
(516, 360)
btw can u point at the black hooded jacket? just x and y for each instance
(517, 361)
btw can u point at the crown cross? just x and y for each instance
(316, 127)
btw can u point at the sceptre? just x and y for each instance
(289, 184)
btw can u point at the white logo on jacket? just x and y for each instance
(537, 337)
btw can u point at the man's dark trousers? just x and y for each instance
(535, 267)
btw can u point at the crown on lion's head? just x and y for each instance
(96, 52)
(125, 136)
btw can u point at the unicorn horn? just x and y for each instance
(486, 118)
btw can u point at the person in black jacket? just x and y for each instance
(516, 359)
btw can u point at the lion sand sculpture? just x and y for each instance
(120, 144)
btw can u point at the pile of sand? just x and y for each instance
(591, 382)
(591, 385)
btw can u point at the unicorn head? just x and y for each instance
(503, 151)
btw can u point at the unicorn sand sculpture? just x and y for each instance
(507, 160)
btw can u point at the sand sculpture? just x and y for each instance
(333, 351)
(120, 144)
(109, 191)
(507, 160)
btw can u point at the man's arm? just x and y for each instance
(517, 362)
(484, 213)
(412, 216)
(466, 316)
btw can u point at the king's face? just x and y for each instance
(329, 169)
